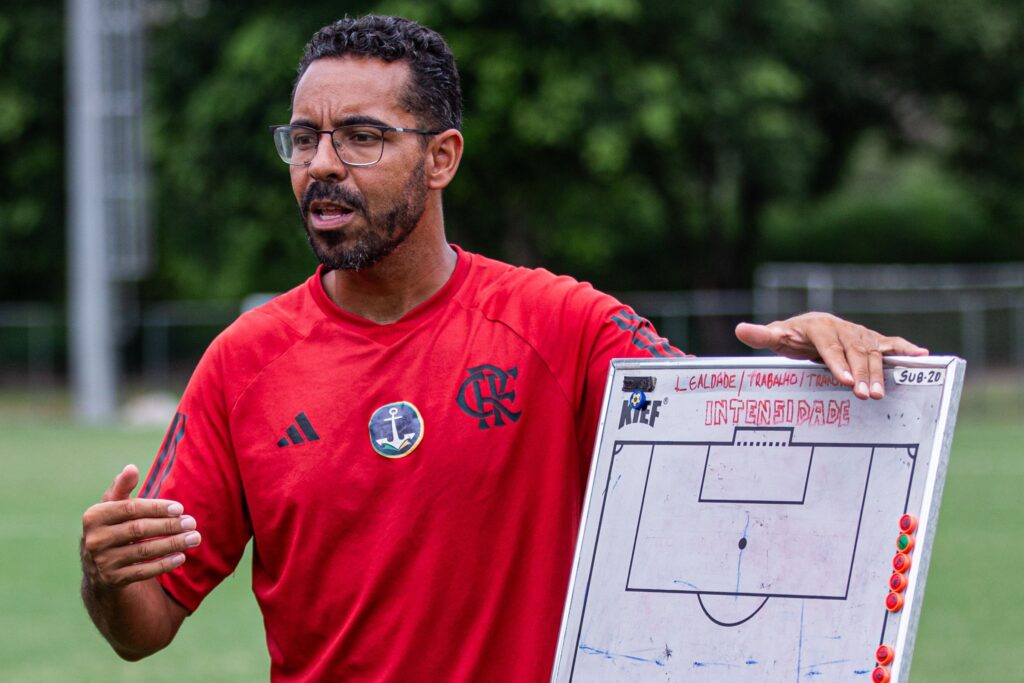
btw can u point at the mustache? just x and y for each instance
(318, 190)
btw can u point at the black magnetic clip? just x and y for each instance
(638, 383)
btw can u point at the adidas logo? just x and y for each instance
(292, 435)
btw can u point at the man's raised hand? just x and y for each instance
(125, 539)
(852, 352)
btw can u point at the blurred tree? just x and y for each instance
(932, 172)
(31, 146)
(632, 145)
(635, 144)
(960, 68)
(603, 138)
(229, 225)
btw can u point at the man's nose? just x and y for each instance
(326, 164)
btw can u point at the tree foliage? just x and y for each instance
(635, 144)
(31, 147)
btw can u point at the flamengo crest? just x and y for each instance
(487, 394)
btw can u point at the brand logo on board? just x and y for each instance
(646, 415)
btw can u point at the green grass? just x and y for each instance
(51, 473)
(971, 624)
(971, 628)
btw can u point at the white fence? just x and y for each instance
(983, 305)
(976, 312)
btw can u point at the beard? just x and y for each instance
(385, 229)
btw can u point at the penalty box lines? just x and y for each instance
(773, 439)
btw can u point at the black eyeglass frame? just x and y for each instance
(335, 146)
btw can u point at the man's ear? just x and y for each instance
(443, 156)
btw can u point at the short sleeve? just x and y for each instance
(196, 467)
(617, 332)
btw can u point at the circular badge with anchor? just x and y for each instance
(396, 429)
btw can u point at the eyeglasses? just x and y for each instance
(355, 145)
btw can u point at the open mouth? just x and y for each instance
(326, 215)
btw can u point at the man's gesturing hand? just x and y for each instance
(125, 540)
(852, 352)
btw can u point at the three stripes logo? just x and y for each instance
(296, 431)
(644, 337)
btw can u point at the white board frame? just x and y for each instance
(953, 373)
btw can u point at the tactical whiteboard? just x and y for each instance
(743, 518)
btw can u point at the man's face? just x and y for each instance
(355, 216)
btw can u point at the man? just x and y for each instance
(406, 436)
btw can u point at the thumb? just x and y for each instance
(755, 336)
(123, 484)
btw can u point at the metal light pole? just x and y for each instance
(107, 228)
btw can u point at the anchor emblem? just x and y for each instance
(394, 442)
(385, 436)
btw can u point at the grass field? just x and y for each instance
(971, 628)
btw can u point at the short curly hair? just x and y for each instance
(434, 95)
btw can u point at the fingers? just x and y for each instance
(785, 339)
(102, 537)
(115, 512)
(123, 485)
(876, 374)
(106, 575)
(135, 549)
(127, 539)
(866, 350)
(857, 358)
(121, 565)
(755, 336)
(123, 555)
(898, 346)
(853, 353)
(833, 355)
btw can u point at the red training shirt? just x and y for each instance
(413, 490)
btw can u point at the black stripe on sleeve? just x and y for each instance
(165, 459)
(659, 341)
(644, 336)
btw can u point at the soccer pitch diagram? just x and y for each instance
(751, 520)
